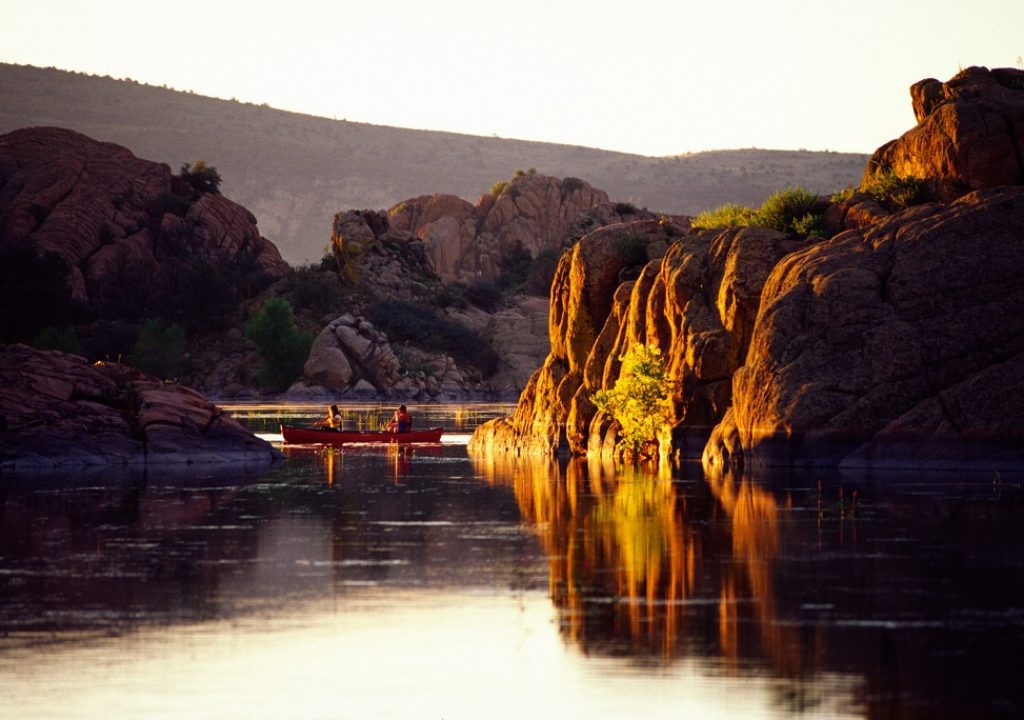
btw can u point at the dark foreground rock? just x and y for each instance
(57, 410)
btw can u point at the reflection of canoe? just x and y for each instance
(310, 436)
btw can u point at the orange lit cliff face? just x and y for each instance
(635, 566)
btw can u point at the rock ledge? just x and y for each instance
(58, 411)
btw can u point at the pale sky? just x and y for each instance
(653, 77)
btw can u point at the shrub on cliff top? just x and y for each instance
(571, 184)
(202, 177)
(783, 210)
(793, 210)
(895, 192)
(725, 216)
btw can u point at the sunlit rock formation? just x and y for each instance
(696, 298)
(56, 410)
(899, 342)
(969, 136)
(588, 295)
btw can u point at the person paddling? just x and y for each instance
(401, 421)
(333, 419)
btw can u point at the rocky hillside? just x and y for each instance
(98, 245)
(295, 172)
(90, 233)
(438, 309)
(897, 342)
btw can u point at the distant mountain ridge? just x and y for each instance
(296, 171)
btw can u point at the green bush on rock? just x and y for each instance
(793, 210)
(895, 192)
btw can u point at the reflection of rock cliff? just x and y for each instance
(628, 533)
(899, 341)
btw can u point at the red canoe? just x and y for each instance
(310, 436)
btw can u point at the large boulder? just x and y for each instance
(57, 410)
(350, 350)
(900, 344)
(969, 136)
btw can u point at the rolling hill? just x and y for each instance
(295, 171)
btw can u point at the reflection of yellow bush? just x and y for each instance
(650, 543)
(620, 533)
(608, 531)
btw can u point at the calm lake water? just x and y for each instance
(384, 582)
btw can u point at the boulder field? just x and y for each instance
(899, 342)
(58, 411)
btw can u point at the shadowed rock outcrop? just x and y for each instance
(350, 350)
(57, 410)
(127, 232)
(408, 253)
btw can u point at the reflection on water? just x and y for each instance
(413, 581)
(831, 594)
